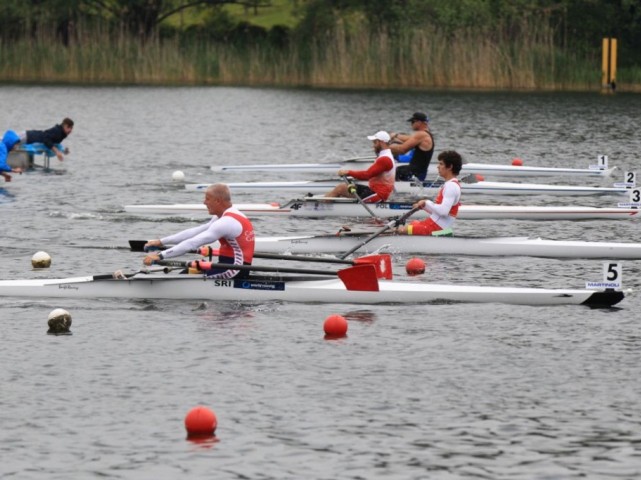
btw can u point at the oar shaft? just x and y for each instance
(302, 258)
(391, 224)
(358, 197)
(253, 268)
(138, 246)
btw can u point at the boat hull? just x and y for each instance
(428, 245)
(468, 168)
(186, 287)
(423, 189)
(322, 208)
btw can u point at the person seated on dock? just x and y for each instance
(448, 200)
(420, 143)
(50, 137)
(229, 226)
(9, 140)
(380, 174)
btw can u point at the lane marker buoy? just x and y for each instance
(415, 266)
(59, 322)
(41, 260)
(200, 421)
(335, 326)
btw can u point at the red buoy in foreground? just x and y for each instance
(517, 162)
(415, 266)
(335, 326)
(200, 421)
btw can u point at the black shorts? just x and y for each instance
(404, 173)
(363, 191)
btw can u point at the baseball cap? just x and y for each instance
(381, 135)
(420, 116)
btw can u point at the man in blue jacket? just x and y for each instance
(9, 140)
(50, 137)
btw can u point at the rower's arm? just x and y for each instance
(408, 142)
(451, 196)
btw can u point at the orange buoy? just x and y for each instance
(415, 266)
(479, 177)
(335, 326)
(200, 421)
(517, 162)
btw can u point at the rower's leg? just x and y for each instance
(339, 190)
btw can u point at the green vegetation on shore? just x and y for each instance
(330, 46)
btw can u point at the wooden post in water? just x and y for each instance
(609, 65)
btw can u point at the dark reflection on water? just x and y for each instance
(413, 391)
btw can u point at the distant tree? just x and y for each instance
(578, 24)
(20, 18)
(588, 22)
(142, 17)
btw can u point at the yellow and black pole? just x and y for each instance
(609, 65)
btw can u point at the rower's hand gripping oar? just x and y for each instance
(382, 262)
(359, 277)
(393, 223)
(351, 188)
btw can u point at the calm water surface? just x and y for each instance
(413, 392)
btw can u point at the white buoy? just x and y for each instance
(178, 176)
(41, 260)
(59, 321)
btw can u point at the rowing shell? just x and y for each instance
(260, 289)
(423, 188)
(468, 168)
(443, 245)
(325, 207)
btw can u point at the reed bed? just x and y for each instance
(348, 58)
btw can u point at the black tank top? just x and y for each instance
(421, 160)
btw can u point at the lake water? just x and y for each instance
(413, 392)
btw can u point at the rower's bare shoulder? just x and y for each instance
(424, 138)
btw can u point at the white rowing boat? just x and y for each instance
(443, 245)
(316, 207)
(423, 189)
(295, 289)
(468, 168)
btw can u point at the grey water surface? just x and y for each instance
(413, 392)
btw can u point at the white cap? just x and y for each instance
(382, 135)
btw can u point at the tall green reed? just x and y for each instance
(351, 57)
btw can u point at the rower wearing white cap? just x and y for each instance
(380, 174)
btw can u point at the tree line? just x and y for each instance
(578, 24)
(572, 27)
